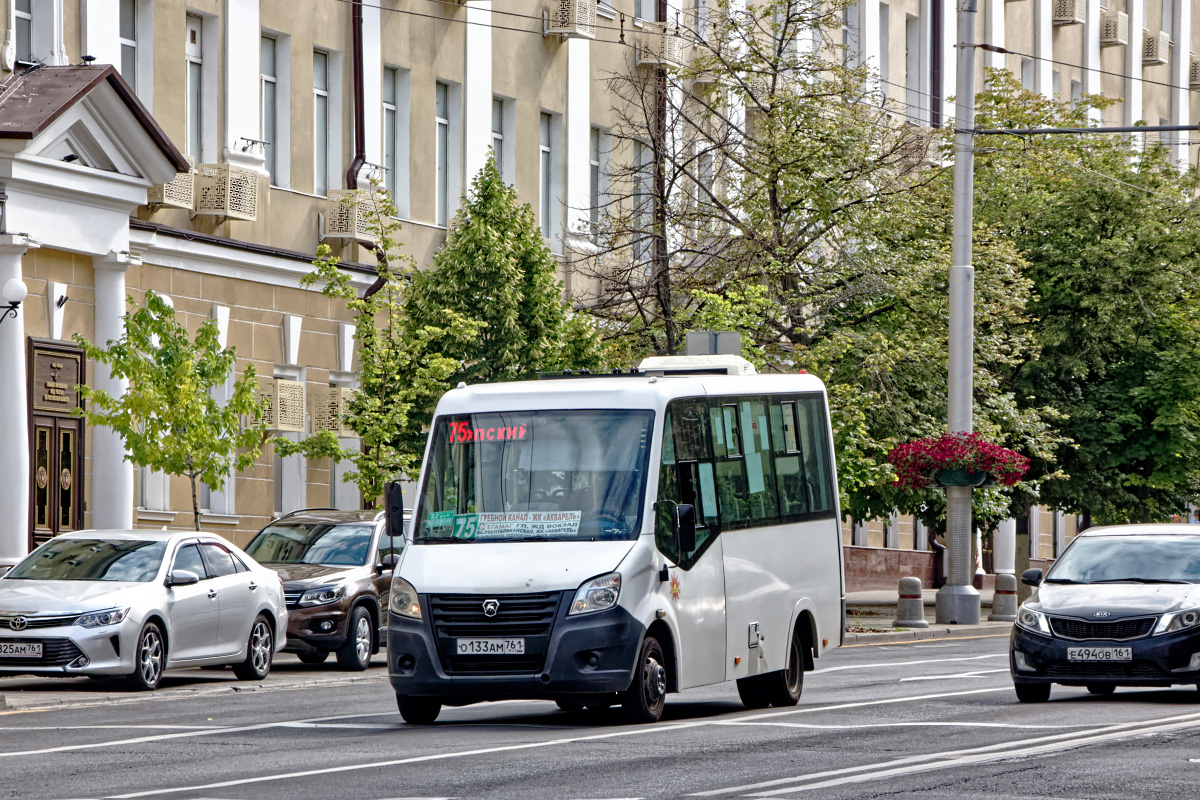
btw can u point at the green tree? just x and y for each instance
(1108, 229)
(168, 418)
(401, 373)
(496, 271)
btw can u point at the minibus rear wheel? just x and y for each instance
(418, 710)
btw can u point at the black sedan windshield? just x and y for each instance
(535, 475)
(330, 545)
(92, 560)
(1136, 559)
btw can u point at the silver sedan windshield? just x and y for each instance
(92, 560)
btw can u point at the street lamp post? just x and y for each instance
(958, 601)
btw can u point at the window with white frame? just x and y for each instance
(1167, 16)
(194, 101)
(545, 170)
(268, 82)
(850, 34)
(442, 121)
(498, 134)
(594, 174)
(885, 53)
(700, 19)
(391, 79)
(320, 122)
(912, 68)
(24, 31)
(642, 200)
(1027, 74)
(645, 9)
(127, 35)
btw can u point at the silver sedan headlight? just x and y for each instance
(98, 619)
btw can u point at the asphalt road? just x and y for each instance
(934, 719)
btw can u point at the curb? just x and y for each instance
(932, 632)
(12, 701)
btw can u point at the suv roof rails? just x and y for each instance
(294, 512)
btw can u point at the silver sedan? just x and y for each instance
(132, 604)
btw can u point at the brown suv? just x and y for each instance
(336, 568)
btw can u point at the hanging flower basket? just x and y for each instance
(956, 459)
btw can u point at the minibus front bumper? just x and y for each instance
(588, 654)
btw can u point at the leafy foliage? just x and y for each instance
(168, 418)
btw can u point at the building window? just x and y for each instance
(912, 68)
(128, 38)
(885, 51)
(1027, 74)
(1167, 15)
(442, 115)
(594, 183)
(545, 164)
(700, 19)
(320, 122)
(645, 9)
(194, 101)
(641, 200)
(390, 79)
(1076, 92)
(498, 133)
(24, 32)
(268, 94)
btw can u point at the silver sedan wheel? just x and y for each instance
(150, 656)
(362, 638)
(260, 646)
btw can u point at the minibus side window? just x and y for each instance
(814, 442)
(760, 469)
(790, 477)
(732, 483)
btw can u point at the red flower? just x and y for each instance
(918, 461)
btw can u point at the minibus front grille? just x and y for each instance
(525, 616)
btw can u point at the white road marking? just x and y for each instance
(642, 730)
(904, 663)
(363, 726)
(1001, 751)
(107, 727)
(979, 673)
(927, 724)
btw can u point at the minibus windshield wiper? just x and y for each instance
(1141, 580)
(440, 540)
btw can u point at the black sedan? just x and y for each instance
(1120, 607)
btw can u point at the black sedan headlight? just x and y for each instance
(1177, 621)
(1033, 620)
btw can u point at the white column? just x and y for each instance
(1133, 63)
(243, 112)
(920, 536)
(1043, 47)
(477, 93)
(868, 37)
(891, 534)
(993, 32)
(373, 85)
(949, 45)
(1004, 547)
(222, 501)
(578, 135)
(101, 31)
(14, 413)
(1181, 62)
(112, 475)
(1035, 532)
(1091, 55)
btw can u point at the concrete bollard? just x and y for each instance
(910, 609)
(1004, 601)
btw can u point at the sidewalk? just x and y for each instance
(870, 614)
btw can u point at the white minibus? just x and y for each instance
(604, 539)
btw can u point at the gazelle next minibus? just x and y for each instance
(595, 540)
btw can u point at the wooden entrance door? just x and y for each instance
(57, 477)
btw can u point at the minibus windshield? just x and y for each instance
(535, 475)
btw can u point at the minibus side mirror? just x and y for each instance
(393, 509)
(1031, 577)
(685, 528)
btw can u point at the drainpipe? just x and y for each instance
(360, 133)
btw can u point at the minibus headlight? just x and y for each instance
(1178, 621)
(403, 600)
(597, 594)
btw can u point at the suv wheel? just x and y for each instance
(355, 652)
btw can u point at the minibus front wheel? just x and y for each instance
(643, 701)
(418, 710)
